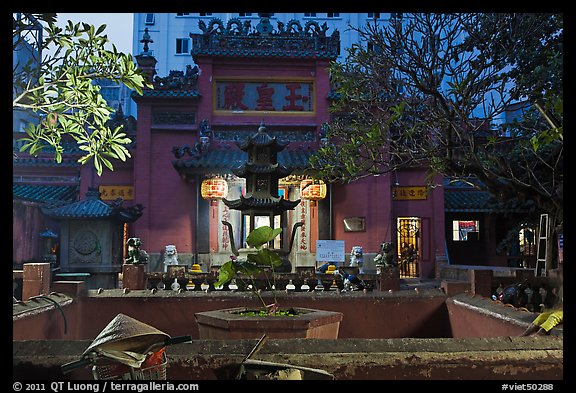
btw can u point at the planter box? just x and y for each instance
(229, 324)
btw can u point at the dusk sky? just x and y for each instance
(118, 26)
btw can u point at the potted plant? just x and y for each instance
(271, 319)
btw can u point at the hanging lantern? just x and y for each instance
(312, 190)
(214, 188)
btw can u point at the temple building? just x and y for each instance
(193, 165)
(191, 134)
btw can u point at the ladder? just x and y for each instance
(542, 246)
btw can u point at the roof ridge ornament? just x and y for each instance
(290, 40)
(146, 40)
(264, 27)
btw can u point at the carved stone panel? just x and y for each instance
(86, 242)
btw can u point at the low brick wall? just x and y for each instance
(366, 315)
(404, 335)
(508, 359)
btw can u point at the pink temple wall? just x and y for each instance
(372, 198)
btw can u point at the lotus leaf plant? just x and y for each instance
(256, 263)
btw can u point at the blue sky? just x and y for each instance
(118, 26)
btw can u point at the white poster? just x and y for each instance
(330, 250)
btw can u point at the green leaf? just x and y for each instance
(262, 235)
(101, 29)
(226, 273)
(265, 257)
(107, 163)
(246, 267)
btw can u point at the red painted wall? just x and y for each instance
(372, 198)
(369, 198)
(28, 222)
(384, 316)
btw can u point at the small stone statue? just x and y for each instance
(135, 254)
(351, 282)
(386, 256)
(170, 256)
(357, 257)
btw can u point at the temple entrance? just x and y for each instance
(409, 245)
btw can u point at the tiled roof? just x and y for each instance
(261, 138)
(223, 161)
(167, 94)
(462, 196)
(93, 207)
(474, 201)
(264, 53)
(28, 161)
(277, 204)
(86, 208)
(467, 201)
(277, 169)
(45, 193)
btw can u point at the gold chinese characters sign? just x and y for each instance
(108, 193)
(409, 193)
(274, 96)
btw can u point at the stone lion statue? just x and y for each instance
(135, 254)
(386, 255)
(356, 256)
(170, 255)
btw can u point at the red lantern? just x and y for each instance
(312, 190)
(215, 188)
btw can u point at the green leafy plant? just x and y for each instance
(59, 91)
(259, 262)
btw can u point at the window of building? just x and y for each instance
(244, 14)
(515, 112)
(527, 241)
(182, 46)
(374, 15)
(465, 230)
(309, 15)
(149, 19)
(110, 93)
(333, 15)
(371, 47)
(205, 14)
(396, 15)
(182, 14)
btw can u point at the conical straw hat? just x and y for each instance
(125, 333)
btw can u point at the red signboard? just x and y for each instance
(259, 96)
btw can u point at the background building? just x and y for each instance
(170, 32)
(211, 80)
(211, 92)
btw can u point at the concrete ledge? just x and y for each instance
(501, 358)
(71, 288)
(39, 304)
(452, 288)
(495, 309)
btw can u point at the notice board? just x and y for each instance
(330, 250)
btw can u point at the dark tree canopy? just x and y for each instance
(432, 90)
